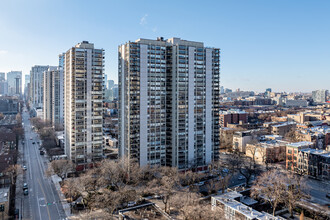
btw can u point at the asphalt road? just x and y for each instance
(42, 202)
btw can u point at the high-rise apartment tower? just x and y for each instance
(83, 95)
(169, 102)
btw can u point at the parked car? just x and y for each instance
(131, 203)
(225, 170)
(33, 142)
(26, 192)
(156, 196)
(241, 177)
(25, 186)
(24, 167)
(199, 184)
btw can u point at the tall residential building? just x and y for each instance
(83, 95)
(169, 102)
(14, 80)
(36, 85)
(49, 93)
(320, 96)
(58, 108)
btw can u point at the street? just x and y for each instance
(42, 201)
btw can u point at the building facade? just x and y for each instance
(53, 103)
(233, 117)
(292, 151)
(320, 96)
(83, 95)
(36, 85)
(169, 102)
(14, 80)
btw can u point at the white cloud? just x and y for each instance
(143, 20)
(3, 52)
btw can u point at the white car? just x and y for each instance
(24, 168)
(130, 204)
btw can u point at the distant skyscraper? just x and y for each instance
(222, 90)
(3, 84)
(115, 91)
(26, 86)
(83, 95)
(3, 87)
(14, 80)
(2, 76)
(111, 83)
(36, 85)
(26, 80)
(320, 96)
(169, 102)
(105, 81)
(268, 90)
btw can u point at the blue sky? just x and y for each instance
(280, 44)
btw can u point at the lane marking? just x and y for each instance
(43, 192)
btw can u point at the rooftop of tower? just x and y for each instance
(170, 41)
(85, 45)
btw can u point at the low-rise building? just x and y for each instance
(232, 117)
(292, 153)
(298, 118)
(296, 103)
(314, 163)
(229, 203)
(267, 152)
(283, 128)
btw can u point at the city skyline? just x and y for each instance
(282, 45)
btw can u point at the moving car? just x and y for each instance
(33, 142)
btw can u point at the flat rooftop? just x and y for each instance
(300, 144)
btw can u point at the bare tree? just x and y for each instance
(167, 184)
(294, 136)
(247, 168)
(270, 187)
(89, 185)
(13, 171)
(61, 168)
(294, 193)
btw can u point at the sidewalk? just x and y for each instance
(19, 182)
(66, 206)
